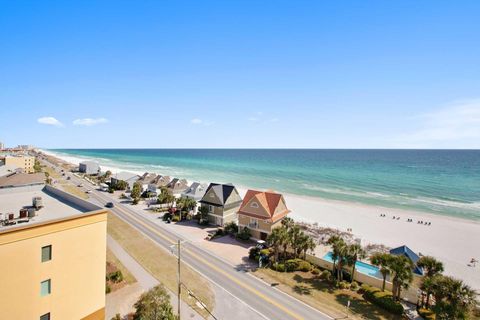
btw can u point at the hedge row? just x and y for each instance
(292, 265)
(382, 299)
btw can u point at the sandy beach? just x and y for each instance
(451, 240)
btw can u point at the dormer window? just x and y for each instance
(254, 205)
(212, 195)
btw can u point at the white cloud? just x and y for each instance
(455, 126)
(253, 119)
(89, 121)
(51, 121)
(197, 121)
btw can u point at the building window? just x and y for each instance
(210, 208)
(45, 288)
(254, 205)
(46, 253)
(46, 316)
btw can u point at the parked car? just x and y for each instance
(109, 205)
(88, 191)
(261, 244)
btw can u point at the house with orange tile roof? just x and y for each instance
(261, 212)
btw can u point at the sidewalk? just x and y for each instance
(122, 301)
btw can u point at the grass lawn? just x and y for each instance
(160, 263)
(113, 264)
(319, 294)
(52, 173)
(68, 187)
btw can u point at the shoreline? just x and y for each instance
(450, 239)
(74, 160)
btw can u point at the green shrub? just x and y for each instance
(383, 299)
(354, 286)
(291, 265)
(280, 267)
(115, 276)
(253, 253)
(244, 234)
(304, 266)
(315, 271)
(231, 228)
(426, 314)
(176, 218)
(265, 252)
(326, 275)
(344, 285)
(107, 289)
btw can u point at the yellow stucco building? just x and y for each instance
(53, 266)
(26, 163)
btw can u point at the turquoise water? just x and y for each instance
(360, 266)
(445, 182)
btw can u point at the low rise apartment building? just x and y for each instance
(53, 255)
(23, 162)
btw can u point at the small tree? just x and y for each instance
(37, 167)
(154, 305)
(203, 214)
(244, 234)
(382, 260)
(136, 191)
(120, 185)
(166, 197)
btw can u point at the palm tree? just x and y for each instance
(355, 252)
(275, 240)
(453, 298)
(432, 267)
(382, 260)
(401, 269)
(295, 236)
(307, 243)
(288, 222)
(338, 254)
(285, 241)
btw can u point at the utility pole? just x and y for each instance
(178, 275)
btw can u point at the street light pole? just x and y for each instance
(178, 278)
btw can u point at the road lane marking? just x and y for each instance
(229, 276)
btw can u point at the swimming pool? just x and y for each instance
(360, 266)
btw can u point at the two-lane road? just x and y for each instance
(268, 302)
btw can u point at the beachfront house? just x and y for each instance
(261, 212)
(147, 179)
(157, 183)
(412, 256)
(128, 177)
(222, 202)
(177, 186)
(89, 167)
(196, 191)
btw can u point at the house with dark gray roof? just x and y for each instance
(128, 177)
(412, 256)
(196, 191)
(222, 202)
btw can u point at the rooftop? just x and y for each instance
(21, 179)
(57, 204)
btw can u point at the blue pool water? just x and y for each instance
(360, 266)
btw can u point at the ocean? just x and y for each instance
(444, 182)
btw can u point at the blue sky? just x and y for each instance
(321, 74)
